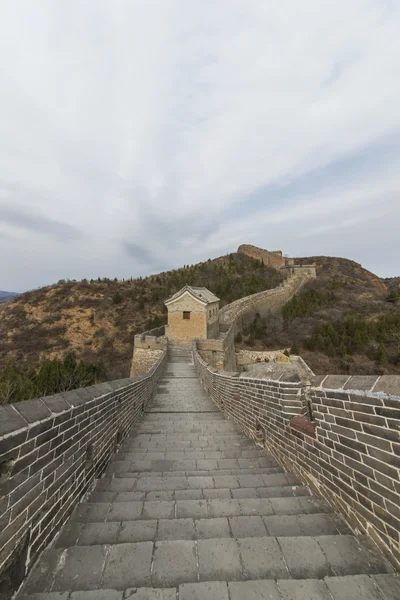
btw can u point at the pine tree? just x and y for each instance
(382, 357)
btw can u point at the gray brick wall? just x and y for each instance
(51, 451)
(348, 451)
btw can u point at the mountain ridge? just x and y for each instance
(98, 319)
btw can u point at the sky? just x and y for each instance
(137, 136)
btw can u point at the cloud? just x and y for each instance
(193, 127)
(37, 224)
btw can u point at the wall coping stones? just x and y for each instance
(23, 415)
(56, 403)
(10, 420)
(373, 385)
(32, 412)
(51, 451)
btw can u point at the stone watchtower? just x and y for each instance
(193, 313)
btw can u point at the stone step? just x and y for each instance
(347, 587)
(197, 494)
(221, 473)
(95, 533)
(171, 563)
(156, 466)
(133, 510)
(157, 483)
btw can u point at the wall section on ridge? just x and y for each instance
(348, 452)
(51, 451)
(242, 312)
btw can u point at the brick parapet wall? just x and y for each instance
(349, 453)
(239, 312)
(51, 451)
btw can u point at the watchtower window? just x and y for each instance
(186, 314)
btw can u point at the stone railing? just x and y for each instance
(51, 451)
(340, 435)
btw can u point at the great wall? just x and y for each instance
(187, 481)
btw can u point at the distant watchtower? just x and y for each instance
(192, 314)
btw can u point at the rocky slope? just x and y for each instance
(98, 319)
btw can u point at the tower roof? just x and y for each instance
(202, 294)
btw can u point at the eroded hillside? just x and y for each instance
(98, 319)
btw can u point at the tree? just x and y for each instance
(295, 349)
(382, 357)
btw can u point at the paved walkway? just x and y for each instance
(191, 509)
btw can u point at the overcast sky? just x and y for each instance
(141, 135)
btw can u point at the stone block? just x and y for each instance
(219, 560)
(354, 586)
(243, 527)
(10, 420)
(347, 556)
(150, 594)
(195, 509)
(158, 509)
(97, 595)
(126, 511)
(175, 529)
(174, 563)
(256, 506)
(212, 528)
(137, 531)
(210, 590)
(254, 590)
(389, 585)
(99, 533)
(75, 574)
(304, 558)
(262, 558)
(128, 565)
(308, 589)
(223, 508)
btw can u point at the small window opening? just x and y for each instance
(186, 314)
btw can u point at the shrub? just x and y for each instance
(238, 338)
(117, 298)
(295, 349)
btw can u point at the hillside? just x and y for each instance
(5, 296)
(98, 319)
(347, 320)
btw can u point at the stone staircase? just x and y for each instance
(191, 509)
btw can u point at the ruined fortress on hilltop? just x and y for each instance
(275, 259)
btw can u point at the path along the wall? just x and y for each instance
(51, 451)
(341, 436)
(191, 509)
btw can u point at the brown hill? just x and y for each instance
(343, 291)
(98, 319)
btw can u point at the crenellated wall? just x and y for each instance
(272, 258)
(147, 349)
(341, 435)
(51, 451)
